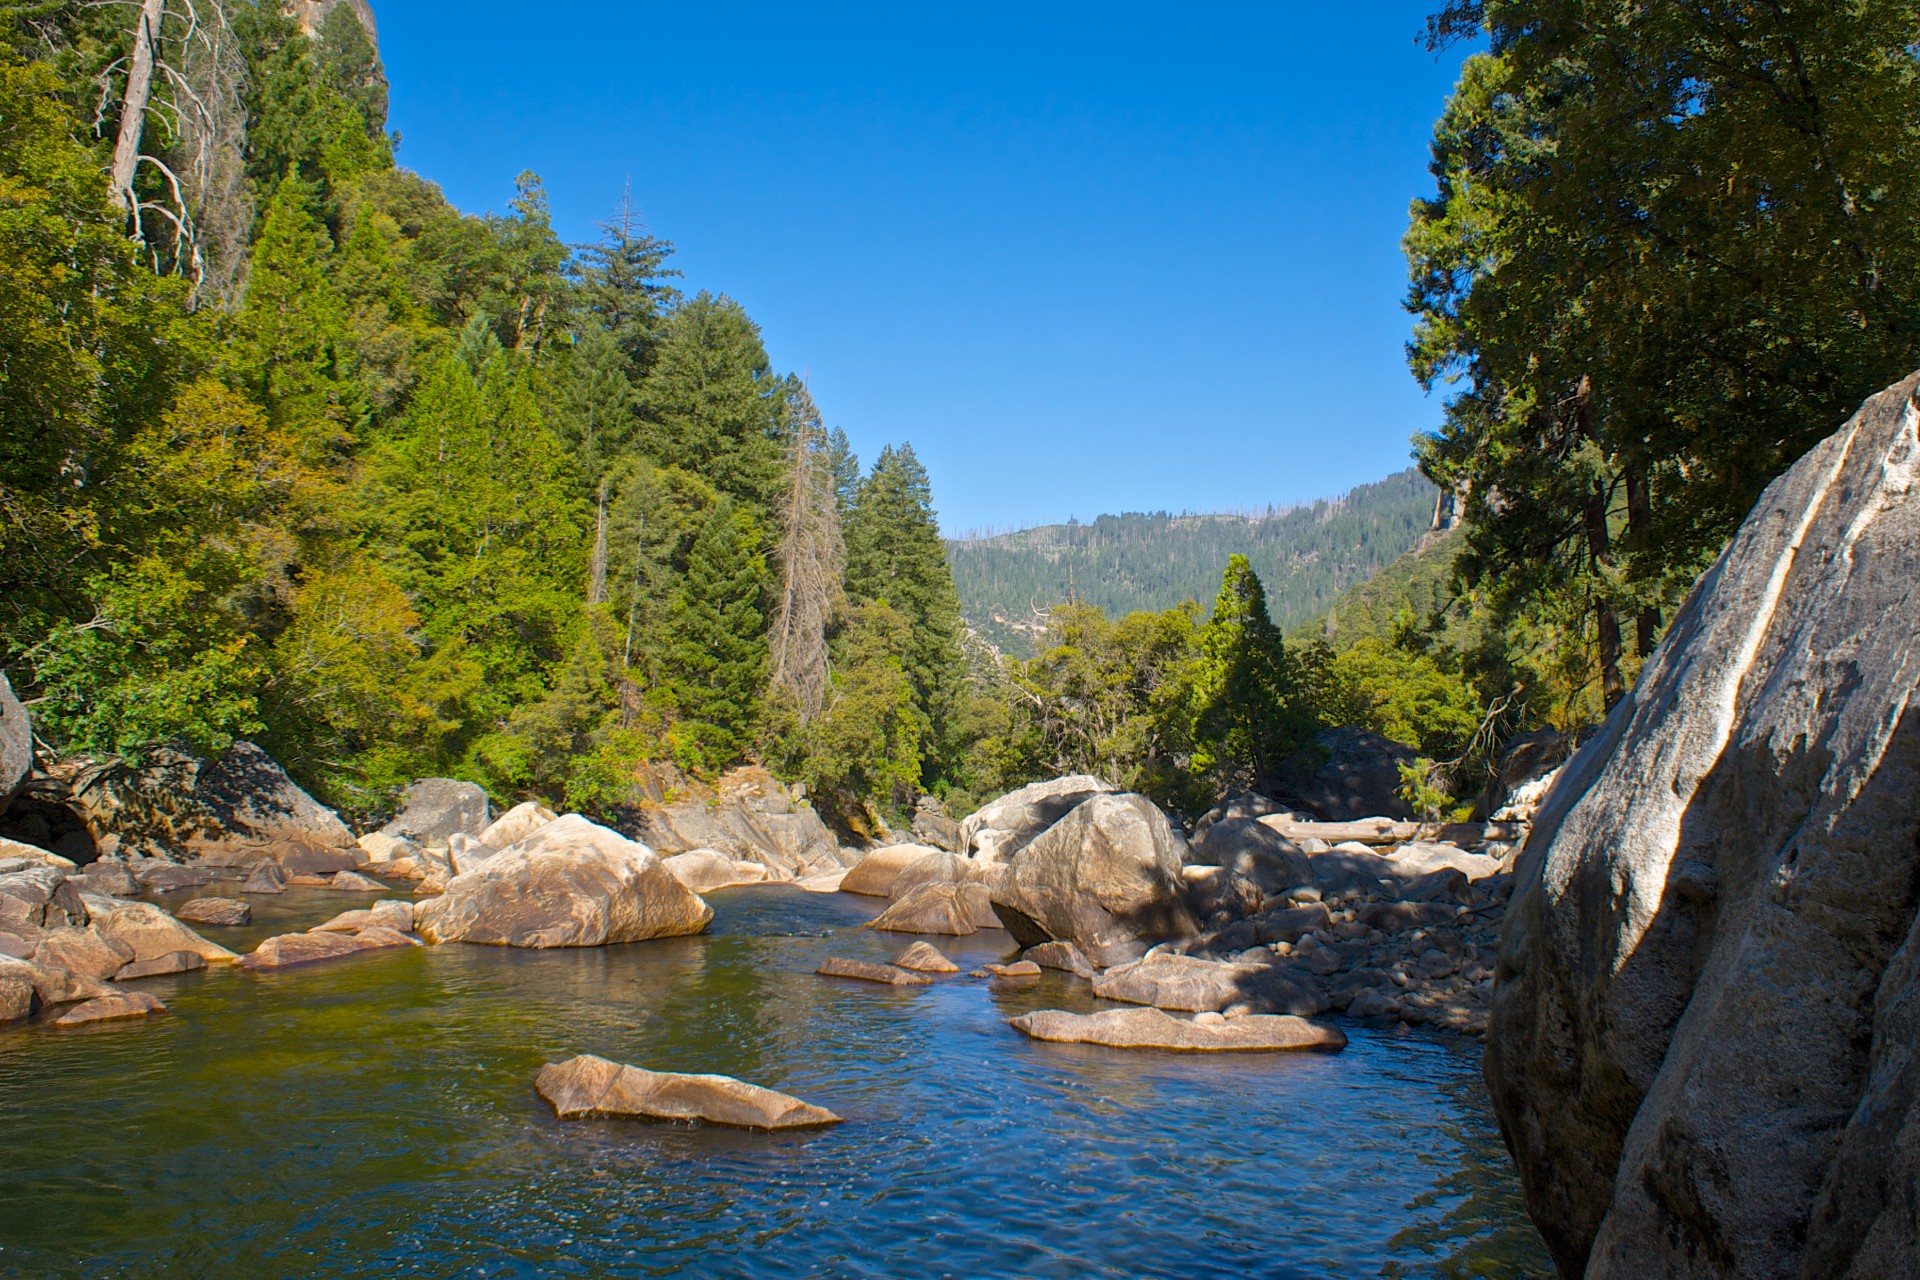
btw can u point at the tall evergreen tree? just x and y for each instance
(717, 643)
(712, 404)
(895, 555)
(1244, 720)
(621, 281)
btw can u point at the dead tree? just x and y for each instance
(811, 559)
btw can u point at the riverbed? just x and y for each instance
(376, 1117)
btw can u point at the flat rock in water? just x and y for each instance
(873, 875)
(389, 913)
(924, 957)
(868, 971)
(955, 910)
(1152, 1029)
(354, 882)
(289, 949)
(1018, 969)
(1190, 984)
(593, 1086)
(825, 882)
(215, 911)
(124, 1004)
(1063, 956)
(159, 966)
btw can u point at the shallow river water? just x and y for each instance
(376, 1117)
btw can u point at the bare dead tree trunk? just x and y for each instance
(1600, 555)
(811, 559)
(597, 567)
(133, 106)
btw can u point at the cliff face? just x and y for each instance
(311, 13)
(1703, 1048)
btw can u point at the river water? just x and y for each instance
(376, 1117)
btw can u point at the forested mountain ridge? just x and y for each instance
(1305, 556)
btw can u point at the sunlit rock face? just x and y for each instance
(1703, 1048)
(311, 13)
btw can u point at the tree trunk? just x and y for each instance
(1639, 528)
(133, 108)
(597, 568)
(1600, 554)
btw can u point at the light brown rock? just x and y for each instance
(1107, 878)
(124, 1004)
(997, 831)
(149, 932)
(52, 985)
(86, 952)
(354, 882)
(825, 882)
(873, 875)
(952, 909)
(1063, 956)
(266, 877)
(1189, 983)
(16, 995)
(289, 949)
(388, 913)
(572, 883)
(868, 971)
(1152, 1029)
(516, 824)
(593, 1086)
(225, 912)
(1018, 969)
(160, 966)
(924, 957)
(705, 870)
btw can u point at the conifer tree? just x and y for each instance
(621, 281)
(717, 643)
(712, 404)
(1244, 721)
(895, 555)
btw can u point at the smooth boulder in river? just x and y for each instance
(1107, 878)
(1152, 1029)
(590, 1085)
(1705, 1040)
(572, 883)
(1002, 828)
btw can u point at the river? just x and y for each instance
(376, 1117)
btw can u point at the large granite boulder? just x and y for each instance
(1704, 1050)
(234, 811)
(16, 744)
(594, 1086)
(955, 910)
(1107, 878)
(148, 932)
(703, 870)
(1152, 1029)
(1349, 774)
(874, 875)
(752, 818)
(516, 824)
(572, 883)
(1252, 849)
(434, 808)
(998, 830)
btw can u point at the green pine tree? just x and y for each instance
(712, 403)
(716, 654)
(1245, 721)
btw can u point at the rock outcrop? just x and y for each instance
(1703, 1049)
(997, 831)
(874, 875)
(594, 1086)
(1106, 877)
(433, 809)
(955, 910)
(703, 870)
(572, 883)
(1349, 774)
(751, 817)
(16, 744)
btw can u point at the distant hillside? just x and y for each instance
(1306, 557)
(1418, 583)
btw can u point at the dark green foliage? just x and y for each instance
(716, 652)
(1246, 715)
(621, 282)
(711, 403)
(1153, 562)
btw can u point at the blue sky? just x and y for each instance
(1086, 258)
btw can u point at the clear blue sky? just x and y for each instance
(1086, 258)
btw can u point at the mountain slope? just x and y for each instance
(1306, 557)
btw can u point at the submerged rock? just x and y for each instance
(1704, 1026)
(868, 971)
(572, 883)
(1107, 878)
(215, 911)
(121, 1004)
(1152, 1029)
(594, 1086)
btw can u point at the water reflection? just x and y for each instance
(377, 1117)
